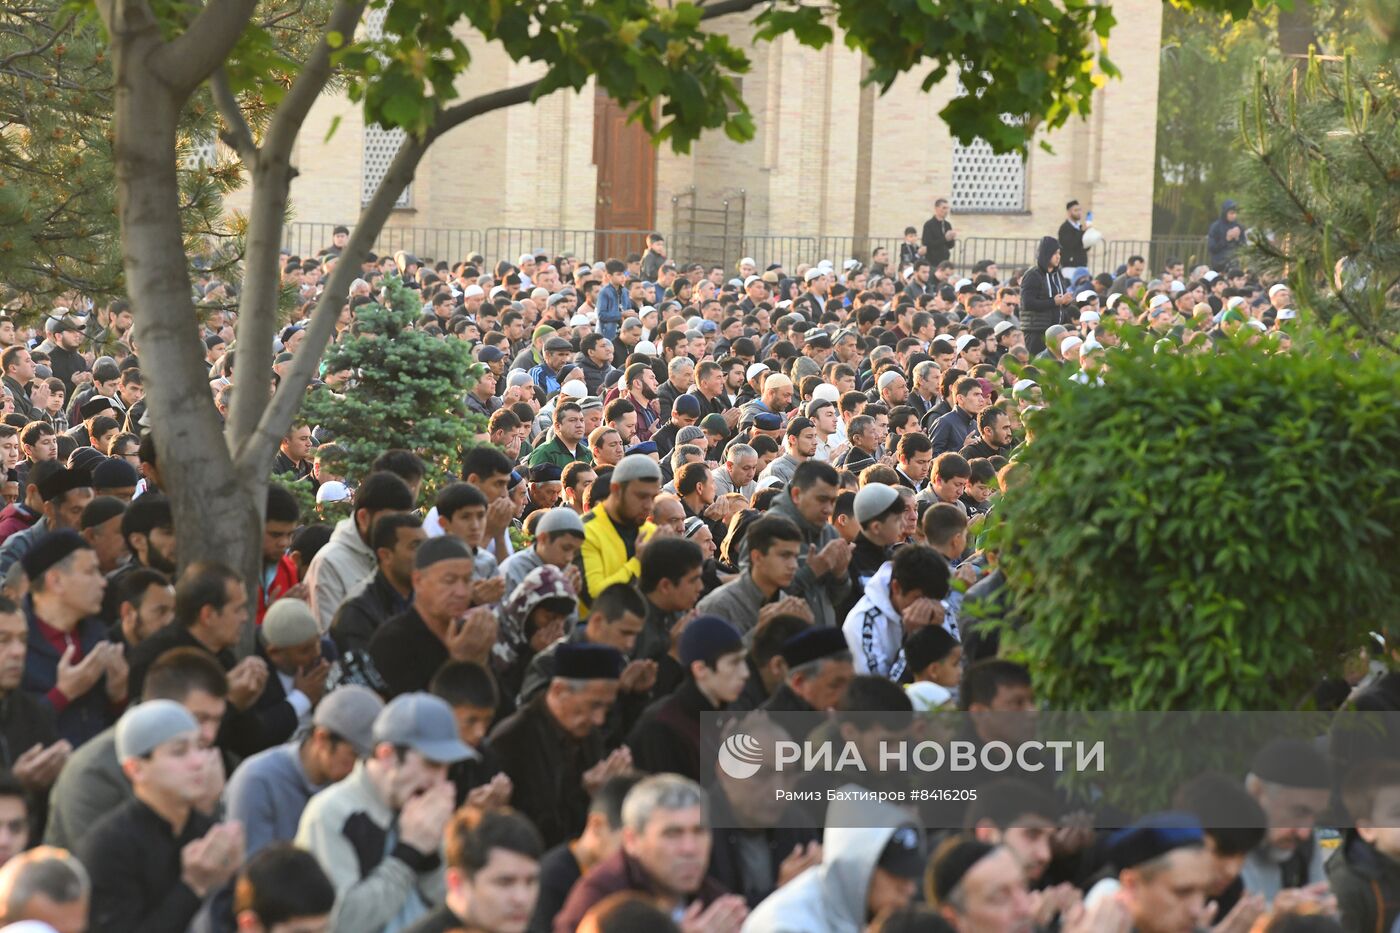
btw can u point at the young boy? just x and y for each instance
(981, 485)
(934, 659)
(471, 692)
(1365, 871)
(909, 249)
(461, 512)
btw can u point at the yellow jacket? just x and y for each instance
(604, 555)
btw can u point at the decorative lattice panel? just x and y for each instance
(203, 153)
(987, 182)
(380, 145)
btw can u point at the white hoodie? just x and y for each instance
(831, 897)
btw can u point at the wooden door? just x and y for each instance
(626, 161)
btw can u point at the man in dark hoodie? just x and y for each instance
(1225, 236)
(1364, 872)
(1044, 293)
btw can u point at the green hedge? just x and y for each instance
(1206, 531)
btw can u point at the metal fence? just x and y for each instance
(305, 239)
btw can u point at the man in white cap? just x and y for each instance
(155, 859)
(378, 833)
(268, 792)
(617, 528)
(813, 299)
(776, 397)
(1280, 296)
(292, 646)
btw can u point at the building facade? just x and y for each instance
(833, 169)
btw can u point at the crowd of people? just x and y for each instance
(475, 701)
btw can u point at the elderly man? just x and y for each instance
(680, 376)
(737, 473)
(46, 886)
(552, 747)
(664, 854)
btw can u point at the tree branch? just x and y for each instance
(236, 132)
(256, 451)
(456, 115)
(725, 7)
(310, 82)
(190, 58)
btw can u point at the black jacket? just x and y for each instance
(133, 858)
(359, 617)
(546, 765)
(668, 736)
(593, 375)
(727, 865)
(1073, 255)
(406, 653)
(935, 240)
(1039, 286)
(268, 722)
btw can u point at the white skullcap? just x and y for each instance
(636, 466)
(889, 376)
(827, 392)
(1157, 302)
(754, 370)
(1069, 345)
(645, 348)
(1277, 287)
(574, 388)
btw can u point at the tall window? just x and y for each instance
(380, 145)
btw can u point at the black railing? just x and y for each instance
(704, 245)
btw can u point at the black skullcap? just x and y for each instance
(813, 644)
(86, 458)
(545, 473)
(1152, 837)
(583, 661)
(443, 547)
(1292, 763)
(797, 425)
(953, 863)
(96, 406)
(61, 481)
(99, 510)
(51, 549)
(114, 473)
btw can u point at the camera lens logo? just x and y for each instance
(740, 756)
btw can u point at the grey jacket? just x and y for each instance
(352, 834)
(336, 569)
(822, 593)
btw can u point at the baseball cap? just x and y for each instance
(350, 712)
(425, 724)
(903, 854)
(490, 355)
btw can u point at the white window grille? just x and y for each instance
(986, 182)
(203, 153)
(380, 145)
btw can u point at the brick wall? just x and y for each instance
(532, 166)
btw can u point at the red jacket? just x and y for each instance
(613, 874)
(15, 518)
(283, 580)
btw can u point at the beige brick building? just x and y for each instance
(831, 163)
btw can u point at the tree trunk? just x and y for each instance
(217, 517)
